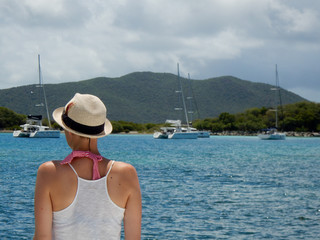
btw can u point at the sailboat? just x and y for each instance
(33, 128)
(176, 131)
(272, 133)
(191, 100)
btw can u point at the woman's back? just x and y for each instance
(90, 209)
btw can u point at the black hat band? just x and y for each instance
(90, 130)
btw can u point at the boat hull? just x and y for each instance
(183, 135)
(203, 134)
(21, 134)
(46, 134)
(159, 135)
(37, 134)
(274, 136)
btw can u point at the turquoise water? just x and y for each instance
(217, 188)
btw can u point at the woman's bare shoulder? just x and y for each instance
(49, 169)
(124, 168)
(49, 166)
(127, 177)
(126, 172)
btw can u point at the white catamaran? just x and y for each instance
(33, 128)
(176, 131)
(272, 133)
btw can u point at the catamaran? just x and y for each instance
(176, 131)
(33, 128)
(272, 133)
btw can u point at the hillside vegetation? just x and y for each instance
(9, 119)
(146, 97)
(298, 117)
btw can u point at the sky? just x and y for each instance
(81, 39)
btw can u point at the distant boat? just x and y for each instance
(176, 131)
(180, 132)
(272, 133)
(192, 101)
(33, 128)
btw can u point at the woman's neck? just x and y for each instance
(87, 145)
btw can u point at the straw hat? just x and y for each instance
(84, 115)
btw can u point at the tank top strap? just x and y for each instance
(112, 163)
(73, 169)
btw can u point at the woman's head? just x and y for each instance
(84, 115)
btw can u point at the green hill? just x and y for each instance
(150, 97)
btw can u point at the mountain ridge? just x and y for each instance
(150, 97)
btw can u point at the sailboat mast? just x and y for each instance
(44, 92)
(277, 89)
(190, 98)
(182, 95)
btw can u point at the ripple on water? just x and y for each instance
(217, 188)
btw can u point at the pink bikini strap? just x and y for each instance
(96, 158)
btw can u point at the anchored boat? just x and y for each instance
(272, 133)
(177, 131)
(33, 128)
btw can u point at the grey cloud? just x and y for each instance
(84, 39)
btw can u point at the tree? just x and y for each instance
(9, 119)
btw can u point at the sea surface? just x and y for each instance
(216, 188)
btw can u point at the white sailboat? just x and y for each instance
(33, 128)
(176, 130)
(183, 132)
(272, 133)
(191, 100)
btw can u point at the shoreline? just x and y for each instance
(225, 133)
(288, 134)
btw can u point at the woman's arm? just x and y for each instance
(42, 202)
(133, 212)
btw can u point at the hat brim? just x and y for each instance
(57, 117)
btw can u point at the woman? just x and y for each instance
(86, 196)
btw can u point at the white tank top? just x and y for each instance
(91, 215)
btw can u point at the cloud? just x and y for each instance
(84, 39)
(289, 20)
